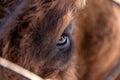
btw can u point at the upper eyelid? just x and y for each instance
(69, 29)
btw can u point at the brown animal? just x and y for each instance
(37, 36)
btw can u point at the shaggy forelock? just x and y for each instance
(35, 11)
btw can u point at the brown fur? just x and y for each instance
(31, 36)
(31, 30)
(99, 30)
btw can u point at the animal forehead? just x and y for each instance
(48, 18)
(38, 10)
(57, 10)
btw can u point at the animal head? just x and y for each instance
(36, 34)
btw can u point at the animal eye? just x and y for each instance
(63, 42)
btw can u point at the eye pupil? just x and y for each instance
(62, 41)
